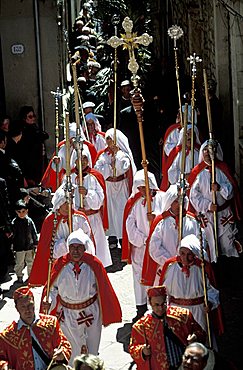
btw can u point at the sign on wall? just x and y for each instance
(17, 49)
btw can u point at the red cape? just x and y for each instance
(126, 246)
(39, 271)
(216, 315)
(128, 174)
(109, 304)
(225, 169)
(49, 178)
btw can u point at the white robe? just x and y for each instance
(117, 192)
(99, 142)
(78, 290)
(164, 240)
(171, 141)
(175, 168)
(201, 199)
(94, 200)
(60, 245)
(137, 227)
(179, 285)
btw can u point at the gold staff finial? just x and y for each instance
(176, 32)
(193, 59)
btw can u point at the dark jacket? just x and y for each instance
(24, 234)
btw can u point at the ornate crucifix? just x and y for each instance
(130, 41)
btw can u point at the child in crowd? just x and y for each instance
(24, 239)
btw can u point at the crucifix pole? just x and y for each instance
(193, 59)
(131, 41)
(115, 20)
(175, 32)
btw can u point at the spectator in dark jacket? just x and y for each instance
(33, 156)
(24, 239)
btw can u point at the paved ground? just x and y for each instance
(115, 338)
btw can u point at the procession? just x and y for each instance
(130, 210)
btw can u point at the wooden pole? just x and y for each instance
(205, 293)
(50, 260)
(212, 148)
(68, 185)
(137, 102)
(182, 187)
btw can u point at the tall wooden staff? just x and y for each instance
(193, 59)
(78, 144)
(83, 116)
(50, 260)
(175, 32)
(205, 293)
(182, 186)
(115, 20)
(131, 41)
(57, 96)
(212, 147)
(78, 131)
(68, 185)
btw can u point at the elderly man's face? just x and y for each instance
(26, 309)
(76, 251)
(193, 359)
(158, 305)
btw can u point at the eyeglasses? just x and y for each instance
(159, 304)
(192, 358)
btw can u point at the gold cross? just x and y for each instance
(130, 41)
